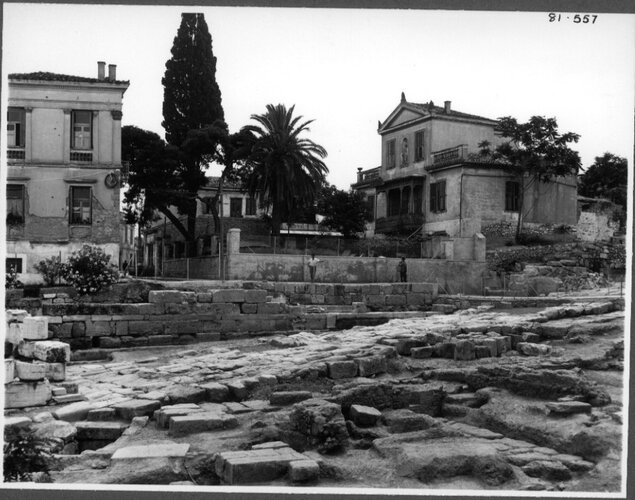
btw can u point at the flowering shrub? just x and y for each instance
(51, 270)
(89, 270)
(11, 280)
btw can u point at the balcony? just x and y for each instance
(82, 156)
(405, 223)
(15, 154)
(449, 156)
(368, 177)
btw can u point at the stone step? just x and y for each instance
(102, 431)
(255, 466)
(200, 422)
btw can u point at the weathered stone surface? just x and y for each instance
(237, 390)
(135, 408)
(22, 395)
(163, 414)
(158, 450)
(341, 369)
(185, 394)
(35, 328)
(321, 422)
(170, 296)
(101, 414)
(215, 392)
(160, 463)
(371, 365)
(568, 407)
(200, 422)
(422, 352)
(29, 372)
(102, 431)
(55, 429)
(255, 466)
(445, 349)
(529, 349)
(407, 421)
(302, 471)
(9, 370)
(50, 351)
(229, 295)
(74, 411)
(255, 296)
(464, 351)
(284, 398)
(547, 469)
(364, 416)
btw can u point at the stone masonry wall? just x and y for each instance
(176, 317)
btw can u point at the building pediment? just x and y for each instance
(403, 114)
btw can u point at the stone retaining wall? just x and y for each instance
(176, 317)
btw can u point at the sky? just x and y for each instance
(346, 68)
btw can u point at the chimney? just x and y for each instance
(101, 70)
(360, 177)
(112, 72)
(447, 107)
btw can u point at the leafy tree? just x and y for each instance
(191, 101)
(344, 211)
(535, 151)
(606, 178)
(284, 168)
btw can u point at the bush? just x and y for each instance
(89, 270)
(51, 269)
(530, 239)
(11, 280)
(24, 455)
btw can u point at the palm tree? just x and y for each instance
(285, 168)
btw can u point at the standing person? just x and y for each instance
(402, 268)
(313, 262)
(124, 268)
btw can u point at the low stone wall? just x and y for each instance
(176, 317)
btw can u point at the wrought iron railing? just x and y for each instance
(15, 154)
(81, 156)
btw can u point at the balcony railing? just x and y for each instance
(399, 223)
(368, 175)
(449, 156)
(82, 156)
(15, 154)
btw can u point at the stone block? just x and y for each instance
(285, 398)
(482, 351)
(170, 296)
(204, 297)
(215, 392)
(422, 352)
(98, 328)
(533, 338)
(9, 370)
(376, 300)
(109, 342)
(131, 408)
(255, 296)
(35, 328)
(200, 422)
(302, 471)
(255, 466)
(237, 390)
(166, 449)
(445, 350)
(50, 351)
(399, 421)
(25, 394)
(395, 300)
(99, 430)
(145, 327)
(492, 345)
(229, 296)
(416, 299)
(180, 327)
(73, 411)
(364, 416)
(14, 333)
(185, 394)
(341, 369)
(55, 372)
(271, 308)
(568, 408)
(405, 346)
(427, 288)
(15, 315)
(249, 308)
(162, 415)
(160, 340)
(371, 365)
(101, 414)
(529, 349)
(464, 350)
(208, 336)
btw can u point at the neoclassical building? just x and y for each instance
(431, 179)
(63, 165)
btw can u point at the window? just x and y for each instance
(207, 205)
(512, 196)
(251, 206)
(390, 154)
(418, 199)
(82, 127)
(81, 206)
(13, 263)
(370, 203)
(405, 200)
(15, 204)
(235, 207)
(15, 127)
(419, 145)
(437, 196)
(394, 202)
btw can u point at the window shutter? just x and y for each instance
(433, 197)
(442, 196)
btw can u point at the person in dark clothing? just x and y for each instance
(402, 268)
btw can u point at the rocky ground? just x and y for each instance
(482, 399)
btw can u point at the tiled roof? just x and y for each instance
(212, 182)
(439, 110)
(45, 76)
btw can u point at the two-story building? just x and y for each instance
(433, 180)
(63, 166)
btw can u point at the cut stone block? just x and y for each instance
(22, 395)
(529, 349)
(372, 365)
(50, 351)
(269, 445)
(14, 333)
(422, 352)
(162, 415)
(55, 372)
(100, 431)
(234, 407)
(255, 296)
(215, 392)
(74, 411)
(407, 421)
(101, 414)
(69, 398)
(13, 315)
(237, 390)
(568, 407)
(185, 394)
(482, 351)
(14, 424)
(341, 369)
(302, 471)
(237, 295)
(364, 416)
(35, 328)
(255, 466)
(136, 408)
(445, 350)
(468, 399)
(167, 449)
(9, 370)
(288, 397)
(29, 372)
(464, 351)
(201, 422)
(170, 297)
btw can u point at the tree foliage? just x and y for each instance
(343, 211)
(284, 169)
(606, 178)
(535, 151)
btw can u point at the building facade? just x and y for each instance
(63, 166)
(432, 180)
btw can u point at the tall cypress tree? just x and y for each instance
(191, 97)
(191, 101)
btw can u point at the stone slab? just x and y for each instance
(158, 450)
(22, 395)
(136, 408)
(50, 351)
(94, 430)
(74, 411)
(200, 422)
(285, 398)
(302, 471)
